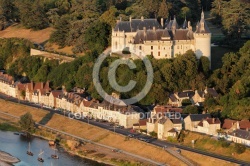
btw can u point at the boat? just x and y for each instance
(16, 133)
(28, 151)
(40, 159)
(55, 156)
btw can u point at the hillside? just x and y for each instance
(18, 31)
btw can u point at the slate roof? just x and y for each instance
(176, 121)
(172, 130)
(111, 100)
(185, 94)
(241, 134)
(199, 117)
(151, 35)
(173, 98)
(199, 28)
(212, 92)
(162, 120)
(137, 24)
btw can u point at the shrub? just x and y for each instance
(126, 52)
(239, 148)
(224, 143)
(153, 134)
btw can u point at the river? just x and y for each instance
(17, 146)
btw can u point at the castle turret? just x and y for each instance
(185, 25)
(202, 38)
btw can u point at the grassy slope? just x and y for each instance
(40, 37)
(20, 32)
(103, 136)
(205, 142)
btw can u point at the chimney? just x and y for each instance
(130, 19)
(154, 28)
(145, 30)
(120, 18)
(189, 26)
(247, 129)
(162, 23)
(213, 119)
(142, 18)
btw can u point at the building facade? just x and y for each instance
(147, 37)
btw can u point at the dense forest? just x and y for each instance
(86, 25)
(77, 22)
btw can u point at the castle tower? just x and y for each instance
(202, 37)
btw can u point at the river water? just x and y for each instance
(17, 146)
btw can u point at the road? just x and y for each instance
(126, 132)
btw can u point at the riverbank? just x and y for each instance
(86, 151)
(102, 136)
(7, 159)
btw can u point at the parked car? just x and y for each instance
(116, 150)
(120, 127)
(178, 151)
(131, 135)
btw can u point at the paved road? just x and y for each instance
(89, 141)
(153, 141)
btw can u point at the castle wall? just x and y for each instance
(203, 45)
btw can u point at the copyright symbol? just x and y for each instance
(113, 83)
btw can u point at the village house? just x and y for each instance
(164, 110)
(229, 125)
(7, 85)
(168, 127)
(142, 125)
(240, 136)
(152, 124)
(111, 111)
(176, 99)
(209, 126)
(191, 121)
(34, 92)
(52, 97)
(199, 96)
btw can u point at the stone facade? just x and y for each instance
(147, 37)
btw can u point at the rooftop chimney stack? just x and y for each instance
(162, 23)
(142, 18)
(130, 19)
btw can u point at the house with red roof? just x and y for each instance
(209, 126)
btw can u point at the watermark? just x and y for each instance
(132, 115)
(113, 83)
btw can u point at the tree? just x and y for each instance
(27, 123)
(163, 10)
(190, 110)
(109, 16)
(239, 148)
(204, 65)
(235, 18)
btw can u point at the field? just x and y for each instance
(16, 30)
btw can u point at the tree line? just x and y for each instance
(78, 22)
(184, 72)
